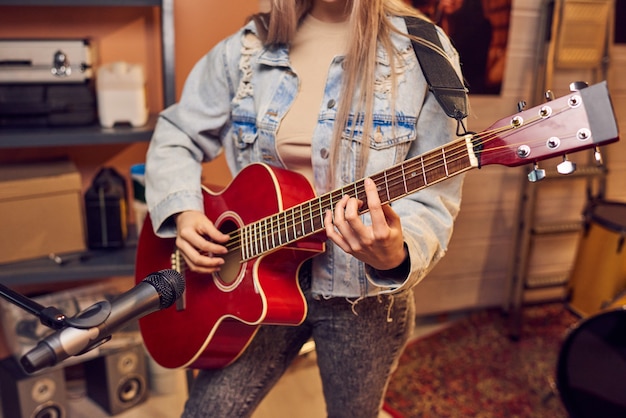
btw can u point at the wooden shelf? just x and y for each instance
(101, 263)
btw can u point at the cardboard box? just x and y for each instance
(41, 210)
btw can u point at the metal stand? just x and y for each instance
(53, 317)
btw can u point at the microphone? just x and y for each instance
(157, 291)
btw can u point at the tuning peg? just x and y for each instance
(536, 174)
(597, 155)
(578, 86)
(548, 95)
(521, 105)
(566, 167)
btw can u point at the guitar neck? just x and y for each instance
(392, 184)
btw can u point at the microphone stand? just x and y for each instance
(53, 317)
(48, 316)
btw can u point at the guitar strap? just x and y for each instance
(440, 75)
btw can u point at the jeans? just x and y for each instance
(357, 347)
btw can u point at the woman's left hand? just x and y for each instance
(380, 245)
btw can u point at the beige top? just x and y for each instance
(314, 47)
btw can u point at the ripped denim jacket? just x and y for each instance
(233, 102)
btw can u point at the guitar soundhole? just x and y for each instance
(232, 268)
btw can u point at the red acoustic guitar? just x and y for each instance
(275, 223)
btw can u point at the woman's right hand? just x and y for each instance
(200, 242)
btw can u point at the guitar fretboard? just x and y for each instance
(305, 219)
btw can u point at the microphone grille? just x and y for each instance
(169, 284)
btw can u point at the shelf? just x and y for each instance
(101, 263)
(97, 264)
(75, 135)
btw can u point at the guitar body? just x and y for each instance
(215, 319)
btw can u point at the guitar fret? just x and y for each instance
(311, 216)
(244, 243)
(321, 209)
(445, 163)
(406, 189)
(285, 227)
(423, 171)
(265, 235)
(251, 240)
(386, 186)
(256, 239)
(273, 232)
(280, 229)
(259, 237)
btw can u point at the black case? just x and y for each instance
(46, 82)
(24, 105)
(106, 209)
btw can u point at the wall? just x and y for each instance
(476, 271)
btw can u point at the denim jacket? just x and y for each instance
(233, 102)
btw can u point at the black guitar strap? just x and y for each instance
(440, 75)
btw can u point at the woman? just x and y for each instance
(277, 92)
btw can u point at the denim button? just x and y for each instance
(324, 153)
(331, 103)
(378, 136)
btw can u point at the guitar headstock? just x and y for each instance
(581, 120)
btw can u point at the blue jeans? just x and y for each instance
(357, 349)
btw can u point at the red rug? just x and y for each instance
(473, 369)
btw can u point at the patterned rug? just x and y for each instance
(473, 369)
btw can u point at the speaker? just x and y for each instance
(117, 380)
(42, 395)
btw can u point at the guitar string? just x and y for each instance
(326, 200)
(428, 163)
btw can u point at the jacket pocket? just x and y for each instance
(385, 135)
(388, 144)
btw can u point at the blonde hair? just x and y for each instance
(369, 27)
